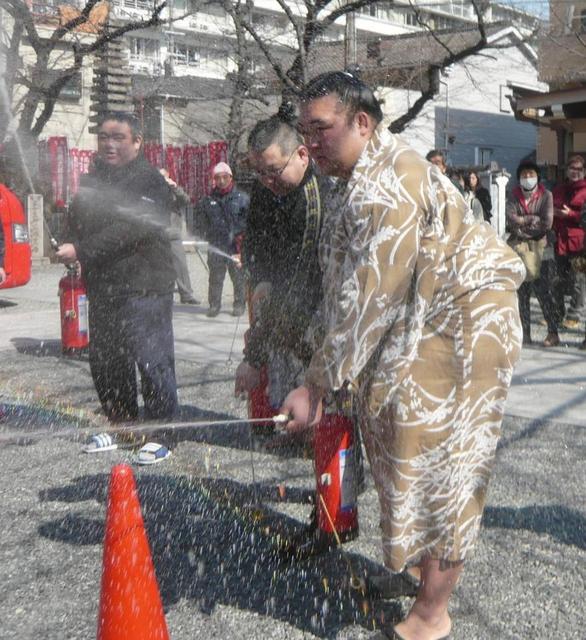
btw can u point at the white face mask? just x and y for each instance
(528, 183)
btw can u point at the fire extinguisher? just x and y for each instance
(335, 469)
(259, 406)
(74, 311)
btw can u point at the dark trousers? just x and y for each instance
(543, 288)
(127, 333)
(218, 266)
(569, 283)
(181, 271)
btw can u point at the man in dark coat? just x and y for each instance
(220, 219)
(118, 233)
(280, 254)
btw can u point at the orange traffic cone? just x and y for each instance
(130, 603)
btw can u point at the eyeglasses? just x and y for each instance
(274, 173)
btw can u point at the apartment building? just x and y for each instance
(182, 72)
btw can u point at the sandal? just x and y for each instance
(99, 443)
(152, 453)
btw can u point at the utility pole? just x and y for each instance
(350, 41)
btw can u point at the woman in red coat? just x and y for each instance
(568, 200)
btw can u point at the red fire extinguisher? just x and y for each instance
(337, 510)
(259, 406)
(74, 312)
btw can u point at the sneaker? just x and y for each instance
(238, 311)
(552, 340)
(568, 323)
(189, 300)
(212, 312)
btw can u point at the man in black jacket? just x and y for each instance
(117, 225)
(220, 218)
(280, 254)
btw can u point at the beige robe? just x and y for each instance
(421, 316)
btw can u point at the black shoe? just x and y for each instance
(189, 300)
(212, 312)
(238, 311)
(388, 586)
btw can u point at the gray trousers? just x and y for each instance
(180, 265)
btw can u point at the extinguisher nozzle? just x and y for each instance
(281, 418)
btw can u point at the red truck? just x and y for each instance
(14, 235)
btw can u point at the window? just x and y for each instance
(143, 49)
(411, 19)
(505, 93)
(72, 90)
(483, 156)
(583, 21)
(190, 56)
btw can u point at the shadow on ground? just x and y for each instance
(565, 525)
(207, 548)
(45, 349)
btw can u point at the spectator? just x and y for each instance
(481, 193)
(180, 201)
(568, 200)
(421, 320)
(437, 157)
(221, 219)
(470, 197)
(529, 218)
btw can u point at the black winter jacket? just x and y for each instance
(118, 224)
(220, 219)
(272, 253)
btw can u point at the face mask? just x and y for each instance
(528, 183)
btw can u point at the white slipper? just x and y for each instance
(152, 453)
(99, 443)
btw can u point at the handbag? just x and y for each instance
(531, 252)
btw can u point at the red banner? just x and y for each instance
(80, 161)
(59, 162)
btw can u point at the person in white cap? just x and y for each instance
(220, 218)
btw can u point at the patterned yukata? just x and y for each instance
(421, 319)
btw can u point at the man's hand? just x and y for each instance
(2, 275)
(563, 211)
(237, 260)
(66, 253)
(304, 405)
(247, 378)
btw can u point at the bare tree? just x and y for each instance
(45, 80)
(311, 30)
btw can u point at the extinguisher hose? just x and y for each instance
(356, 583)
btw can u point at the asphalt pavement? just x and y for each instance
(219, 572)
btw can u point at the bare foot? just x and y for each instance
(416, 627)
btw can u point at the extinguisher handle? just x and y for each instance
(281, 418)
(54, 244)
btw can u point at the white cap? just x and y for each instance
(222, 167)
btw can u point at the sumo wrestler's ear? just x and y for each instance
(362, 119)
